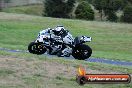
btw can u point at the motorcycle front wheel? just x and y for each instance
(36, 48)
(82, 52)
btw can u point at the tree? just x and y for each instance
(130, 1)
(58, 8)
(109, 7)
(7, 1)
(98, 6)
(112, 17)
(1, 4)
(84, 11)
(89, 1)
(127, 15)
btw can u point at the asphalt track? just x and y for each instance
(97, 60)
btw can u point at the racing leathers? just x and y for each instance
(58, 42)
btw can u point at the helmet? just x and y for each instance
(59, 30)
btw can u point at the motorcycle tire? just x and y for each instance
(59, 54)
(36, 48)
(82, 52)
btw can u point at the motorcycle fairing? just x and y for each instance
(82, 39)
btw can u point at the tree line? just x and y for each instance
(106, 8)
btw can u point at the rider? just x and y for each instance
(60, 35)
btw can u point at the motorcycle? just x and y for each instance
(53, 46)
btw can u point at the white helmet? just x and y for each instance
(59, 30)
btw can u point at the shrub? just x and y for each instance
(84, 11)
(58, 8)
(127, 15)
(112, 17)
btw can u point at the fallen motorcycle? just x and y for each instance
(75, 46)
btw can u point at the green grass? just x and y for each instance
(36, 9)
(5, 72)
(110, 40)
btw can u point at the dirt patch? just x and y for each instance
(27, 68)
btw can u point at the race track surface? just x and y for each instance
(97, 60)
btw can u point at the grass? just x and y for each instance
(24, 70)
(72, 63)
(5, 72)
(36, 9)
(110, 40)
(35, 74)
